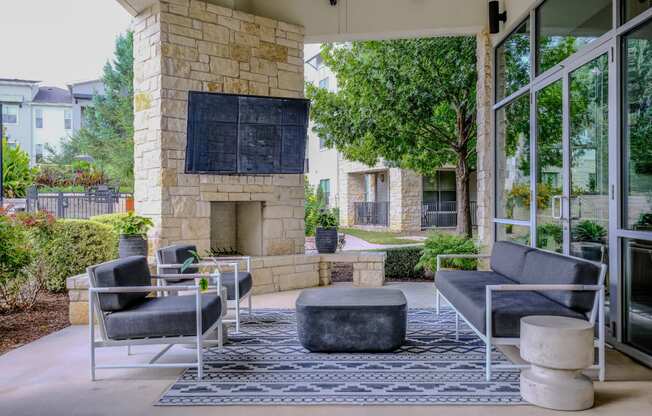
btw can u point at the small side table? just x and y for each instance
(558, 348)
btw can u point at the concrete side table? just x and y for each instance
(558, 348)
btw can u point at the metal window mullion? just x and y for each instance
(566, 183)
(533, 169)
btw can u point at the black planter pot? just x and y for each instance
(326, 240)
(132, 245)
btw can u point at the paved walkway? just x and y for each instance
(51, 377)
(353, 243)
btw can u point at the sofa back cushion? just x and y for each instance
(176, 254)
(549, 268)
(508, 259)
(130, 271)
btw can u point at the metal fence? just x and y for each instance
(371, 213)
(79, 205)
(444, 214)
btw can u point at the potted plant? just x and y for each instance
(590, 237)
(326, 231)
(644, 222)
(133, 235)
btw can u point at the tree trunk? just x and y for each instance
(462, 174)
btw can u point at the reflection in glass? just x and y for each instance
(513, 160)
(565, 26)
(633, 8)
(513, 62)
(514, 233)
(637, 163)
(589, 155)
(637, 261)
(549, 167)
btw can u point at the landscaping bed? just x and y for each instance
(49, 314)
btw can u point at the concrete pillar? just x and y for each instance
(406, 197)
(485, 150)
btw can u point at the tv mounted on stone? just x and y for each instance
(244, 134)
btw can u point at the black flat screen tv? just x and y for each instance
(231, 134)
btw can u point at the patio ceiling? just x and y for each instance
(369, 19)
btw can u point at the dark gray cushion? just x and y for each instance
(245, 283)
(177, 254)
(166, 316)
(508, 259)
(130, 271)
(466, 291)
(351, 319)
(549, 268)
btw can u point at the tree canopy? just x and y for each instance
(409, 102)
(107, 134)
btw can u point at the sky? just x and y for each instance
(58, 41)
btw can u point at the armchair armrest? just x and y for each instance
(542, 287)
(137, 289)
(460, 256)
(231, 261)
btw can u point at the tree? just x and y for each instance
(409, 102)
(108, 131)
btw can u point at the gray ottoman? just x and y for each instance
(351, 319)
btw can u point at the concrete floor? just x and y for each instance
(51, 377)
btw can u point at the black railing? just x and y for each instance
(371, 213)
(444, 214)
(79, 205)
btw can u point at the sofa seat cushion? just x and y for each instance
(550, 268)
(169, 316)
(245, 282)
(508, 259)
(129, 271)
(466, 291)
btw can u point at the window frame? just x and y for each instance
(7, 106)
(38, 111)
(67, 117)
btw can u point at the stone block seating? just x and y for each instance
(351, 319)
(523, 281)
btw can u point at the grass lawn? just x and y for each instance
(378, 237)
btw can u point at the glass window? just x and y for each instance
(9, 114)
(564, 26)
(323, 83)
(325, 190)
(637, 129)
(67, 119)
(513, 160)
(38, 114)
(637, 262)
(514, 233)
(632, 8)
(513, 62)
(322, 143)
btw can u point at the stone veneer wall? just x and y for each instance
(485, 147)
(188, 45)
(270, 274)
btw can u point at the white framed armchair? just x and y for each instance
(234, 274)
(125, 315)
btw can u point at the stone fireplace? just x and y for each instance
(182, 46)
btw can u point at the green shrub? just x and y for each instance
(14, 249)
(327, 219)
(112, 220)
(439, 243)
(401, 263)
(17, 175)
(312, 206)
(75, 245)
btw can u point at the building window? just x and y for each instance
(632, 8)
(67, 119)
(9, 114)
(322, 143)
(637, 151)
(513, 160)
(38, 118)
(325, 190)
(513, 62)
(564, 27)
(323, 83)
(39, 153)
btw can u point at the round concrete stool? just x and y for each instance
(559, 349)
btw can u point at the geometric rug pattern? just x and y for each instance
(265, 365)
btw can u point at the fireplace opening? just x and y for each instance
(237, 227)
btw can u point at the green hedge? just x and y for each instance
(111, 220)
(75, 245)
(401, 263)
(441, 243)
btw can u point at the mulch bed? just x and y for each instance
(50, 314)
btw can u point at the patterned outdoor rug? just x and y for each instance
(266, 365)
